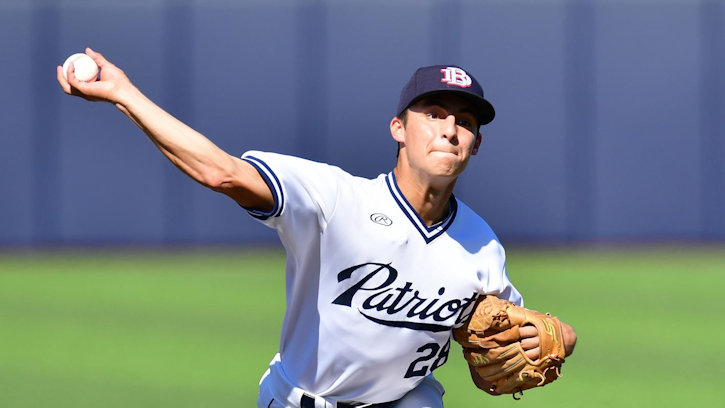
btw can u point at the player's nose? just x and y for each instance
(449, 130)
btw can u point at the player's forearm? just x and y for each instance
(186, 148)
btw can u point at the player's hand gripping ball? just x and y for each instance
(85, 68)
(490, 340)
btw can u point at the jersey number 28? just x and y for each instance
(432, 351)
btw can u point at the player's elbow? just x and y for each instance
(217, 180)
(219, 176)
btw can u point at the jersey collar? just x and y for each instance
(428, 233)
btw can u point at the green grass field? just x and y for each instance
(197, 328)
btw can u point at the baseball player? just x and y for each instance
(378, 270)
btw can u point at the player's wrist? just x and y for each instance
(128, 96)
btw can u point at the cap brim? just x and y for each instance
(484, 112)
(481, 107)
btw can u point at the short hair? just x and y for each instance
(403, 118)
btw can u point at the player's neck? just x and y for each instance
(429, 199)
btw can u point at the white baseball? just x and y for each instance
(85, 68)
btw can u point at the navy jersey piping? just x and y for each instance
(274, 186)
(428, 233)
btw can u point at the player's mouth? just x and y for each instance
(445, 152)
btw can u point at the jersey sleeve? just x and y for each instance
(509, 291)
(302, 189)
(498, 282)
(481, 239)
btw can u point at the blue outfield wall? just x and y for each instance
(610, 114)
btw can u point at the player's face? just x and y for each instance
(439, 137)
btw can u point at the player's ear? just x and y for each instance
(479, 138)
(397, 129)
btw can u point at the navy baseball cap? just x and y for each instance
(439, 79)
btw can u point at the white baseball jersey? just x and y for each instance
(372, 292)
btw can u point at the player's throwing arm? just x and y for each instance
(186, 148)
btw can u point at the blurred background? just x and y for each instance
(603, 175)
(610, 114)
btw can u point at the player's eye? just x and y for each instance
(433, 115)
(464, 123)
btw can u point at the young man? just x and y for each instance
(378, 271)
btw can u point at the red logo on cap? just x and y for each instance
(456, 76)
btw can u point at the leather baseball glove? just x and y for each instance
(490, 340)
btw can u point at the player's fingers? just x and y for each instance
(528, 331)
(108, 72)
(100, 60)
(530, 343)
(533, 354)
(73, 86)
(71, 73)
(61, 80)
(76, 85)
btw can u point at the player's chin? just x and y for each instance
(446, 171)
